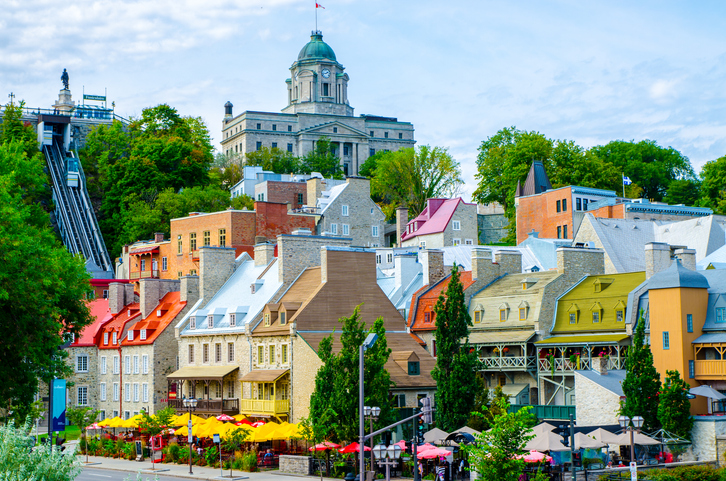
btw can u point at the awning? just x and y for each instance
(590, 339)
(144, 250)
(499, 337)
(514, 389)
(711, 338)
(264, 375)
(203, 372)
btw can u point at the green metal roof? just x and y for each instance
(590, 339)
(316, 49)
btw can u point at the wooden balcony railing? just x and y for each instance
(153, 274)
(209, 405)
(565, 366)
(712, 369)
(511, 363)
(264, 406)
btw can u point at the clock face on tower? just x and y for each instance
(326, 73)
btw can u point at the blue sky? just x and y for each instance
(459, 71)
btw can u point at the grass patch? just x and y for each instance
(70, 434)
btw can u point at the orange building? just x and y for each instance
(149, 260)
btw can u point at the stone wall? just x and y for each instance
(302, 378)
(88, 379)
(596, 406)
(298, 252)
(216, 264)
(468, 226)
(492, 228)
(295, 464)
(363, 214)
(704, 435)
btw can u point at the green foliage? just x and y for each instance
(274, 160)
(42, 286)
(486, 409)
(249, 460)
(642, 381)
(684, 473)
(713, 188)
(128, 450)
(235, 439)
(408, 177)
(211, 455)
(684, 191)
(674, 406)
(321, 159)
(13, 129)
(456, 362)
(172, 452)
(19, 461)
(334, 402)
(493, 457)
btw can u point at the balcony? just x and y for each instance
(212, 406)
(509, 363)
(711, 369)
(264, 406)
(565, 366)
(152, 274)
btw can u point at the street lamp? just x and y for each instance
(371, 414)
(631, 424)
(393, 452)
(190, 404)
(367, 344)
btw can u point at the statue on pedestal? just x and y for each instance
(64, 79)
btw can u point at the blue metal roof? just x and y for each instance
(677, 276)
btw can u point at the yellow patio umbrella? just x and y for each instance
(207, 427)
(231, 428)
(133, 422)
(239, 417)
(279, 433)
(262, 433)
(183, 420)
(104, 423)
(183, 431)
(115, 422)
(223, 429)
(294, 431)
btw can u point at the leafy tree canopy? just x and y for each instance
(274, 160)
(642, 381)
(323, 160)
(674, 407)
(713, 189)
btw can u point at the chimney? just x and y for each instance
(129, 296)
(600, 365)
(657, 258)
(264, 253)
(401, 222)
(577, 262)
(433, 265)
(510, 262)
(216, 264)
(116, 297)
(315, 190)
(152, 290)
(482, 268)
(687, 257)
(189, 289)
(296, 252)
(158, 237)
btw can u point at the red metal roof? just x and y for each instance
(145, 250)
(101, 314)
(433, 219)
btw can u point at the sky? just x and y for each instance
(460, 71)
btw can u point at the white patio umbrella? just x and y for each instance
(546, 442)
(434, 436)
(604, 436)
(583, 441)
(707, 391)
(638, 438)
(543, 428)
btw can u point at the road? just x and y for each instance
(91, 474)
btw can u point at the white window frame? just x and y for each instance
(389, 257)
(205, 353)
(164, 264)
(136, 364)
(145, 364)
(102, 391)
(217, 352)
(127, 388)
(346, 229)
(142, 335)
(116, 364)
(105, 338)
(469, 242)
(232, 319)
(192, 322)
(190, 353)
(82, 363)
(374, 231)
(334, 229)
(136, 392)
(127, 364)
(457, 241)
(115, 391)
(143, 264)
(103, 365)
(230, 352)
(130, 335)
(82, 399)
(456, 225)
(115, 337)
(210, 321)
(145, 392)
(344, 210)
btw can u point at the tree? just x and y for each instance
(409, 177)
(713, 188)
(81, 417)
(42, 286)
(642, 381)
(321, 159)
(274, 160)
(684, 191)
(647, 164)
(322, 398)
(318, 429)
(456, 362)
(494, 457)
(674, 407)
(155, 425)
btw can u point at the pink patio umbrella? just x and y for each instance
(225, 418)
(324, 446)
(258, 424)
(353, 448)
(534, 456)
(433, 453)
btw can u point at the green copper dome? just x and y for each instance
(316, 48)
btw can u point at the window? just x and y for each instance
(456, 225)
(116, 362)
(143, 264)
(371, 152)
(218, 352)
(164, 264)
(193, 241)
(130, 335)
(103, 365)
(222, 237)
(427, 317)
(326, 91)
(595, 316)
(289, 147)
(346, 151)
(127, 388)
(721, 314)
(127, 364)
(115, 391)
(82, 363)
(82, 399)
(469, 242)
(477, 317)
(666, 340)
(232, 320)
(584, 204)
(689, 322)
(260, 355)
(142, 334)
(564, 231)
(259, 145)
(385, 135)
(102, 391)
(273, 359)
(283, 318)
(230, 352)
(145, 392)
(414, 368)
(400, 135)
(502, 314)
(105, 293)
(372, 134)
(289, 128)
(230, 389)
(346, 229)
(522, 313)
(136, 364)
(259, 126)
(205, 353)
(210, 321)
(619, 315)
(261, 197)
(192, 322)
(115, 337)
(379, 258)
(345, 211)
(105, 338)
(274, 127)
(564, 205)
(283, 353)
(274, 145)
(179, 273)
(191, 353)
(374, 230)
(691, 369)
(578, 204)
(457, 242)
(559, 232)
(334, 229)
(558, 206)
(145, 364)
(300, 199)
(266, 317)
(573, 318)
(205, 238)
(136, 392)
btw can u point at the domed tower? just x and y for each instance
(318, 83)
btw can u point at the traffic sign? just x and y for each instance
(633, 471)
(189, 429)
(216, 439)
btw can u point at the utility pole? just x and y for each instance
(572, 446)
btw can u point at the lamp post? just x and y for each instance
(631, 425)
(393, 452)
(190, 404)
(367, 344)
(371, 414)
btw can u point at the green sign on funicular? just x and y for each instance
(100, 98)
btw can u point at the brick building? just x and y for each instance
(284, 192)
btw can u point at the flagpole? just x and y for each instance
(622, 177)
(316, 18)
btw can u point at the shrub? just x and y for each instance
(173, 451)
(249, 461)
(211, 455)
(129, 451)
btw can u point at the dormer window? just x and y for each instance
(477, 317)
(142, 334)
(503, 312)
(596, 310)
(115, 337)
(721, 314)
(105, 338)
(283, 318)
(210, 321)
(267, 318)
(130, 335)
(523, 310)
(232, 320)
(192, 322)
(158, 313)
(414, 368)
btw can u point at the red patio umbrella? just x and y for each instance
(225, 418)
(353, 448)
(244, 422)
(324, 446)
(258, 424)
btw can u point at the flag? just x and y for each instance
(317, 5)
(627, 181)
